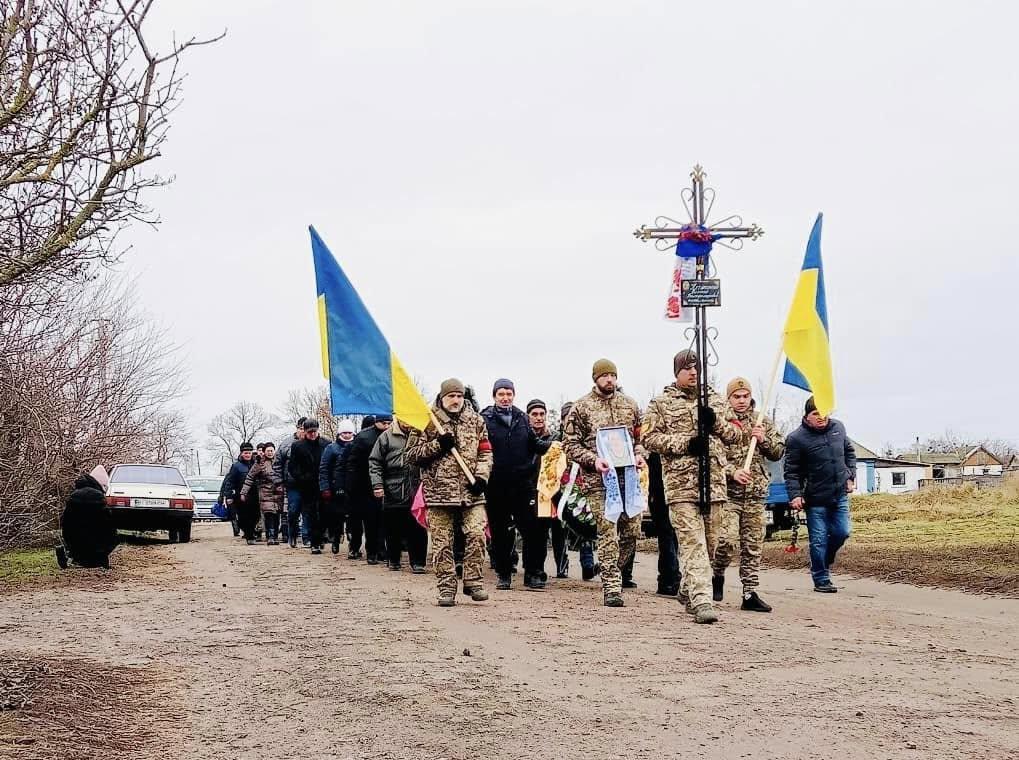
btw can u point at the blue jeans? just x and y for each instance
(829, 527)
(587, 554)
(294, 514)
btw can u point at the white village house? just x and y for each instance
(878, 474)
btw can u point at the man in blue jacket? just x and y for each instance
(820, 473)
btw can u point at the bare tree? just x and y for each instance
(1002, 448)
(949, 442)
(314, 402)
(241, 422)
(85, 102)
(85, 379)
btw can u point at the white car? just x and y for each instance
(205, 490)
(151, 497)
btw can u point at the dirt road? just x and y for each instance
(273, 653)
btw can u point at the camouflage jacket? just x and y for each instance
(669, 425)
(736, 453)
(444, 483)
(588, 415)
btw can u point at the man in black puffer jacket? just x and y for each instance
(511, 498)
(365, 509)
(305, 459)
(820, 473)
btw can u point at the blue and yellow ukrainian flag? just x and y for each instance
(364, 375)
(805, 338)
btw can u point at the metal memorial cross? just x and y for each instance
(694, 239)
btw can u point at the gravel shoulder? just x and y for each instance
(275, 653)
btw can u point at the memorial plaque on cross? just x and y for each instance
(694, 239)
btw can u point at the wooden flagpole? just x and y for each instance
(764, 407)
(456, 454)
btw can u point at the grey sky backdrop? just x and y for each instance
(477, 168)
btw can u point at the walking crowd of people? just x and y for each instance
(474, 480)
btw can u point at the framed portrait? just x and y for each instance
(615, 446)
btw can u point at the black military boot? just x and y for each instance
(717, 587)
(753, 603)
(336, 546)
(629, 582)
(503, 583)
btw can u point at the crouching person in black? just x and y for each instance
(87, 526)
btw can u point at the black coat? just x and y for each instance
(358, 481)
(819, 463)
(305, 458)
(514, 446)
(87, 525)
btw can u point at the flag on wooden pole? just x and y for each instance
(364, 375)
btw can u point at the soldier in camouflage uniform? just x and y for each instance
(448, 495)
(604, 406)
(670, 428)
(743, 516)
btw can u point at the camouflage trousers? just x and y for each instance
(442, 524)
(617, 542)
(742, 531)
(696, 534)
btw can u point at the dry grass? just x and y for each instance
(75, 709)
(144, 561)
(962, 537)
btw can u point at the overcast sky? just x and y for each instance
(477, 168)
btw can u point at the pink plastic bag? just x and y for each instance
(418, 508)
(420, 511)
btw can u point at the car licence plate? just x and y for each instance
(150, 502)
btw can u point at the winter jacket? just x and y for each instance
(771, 449)
(588, 415)
(359, 484)
(819, 463)
(444, 483)
(234, 480)
(258, 486)
(281, 462)
(87, 525)
(305, 458)
(388, 469)
(514, 446)
(332, 470)
(669, 426)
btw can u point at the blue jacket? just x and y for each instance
(513, 446)
(332, 469)
(819, 463)
(234, 480)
